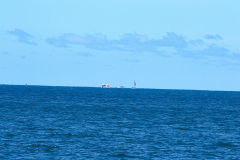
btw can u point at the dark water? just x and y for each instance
(94, 123)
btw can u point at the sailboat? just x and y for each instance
(134, 87)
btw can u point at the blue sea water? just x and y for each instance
(93, 123)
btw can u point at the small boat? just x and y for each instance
(134, 85)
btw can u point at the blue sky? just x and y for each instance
(160, 44)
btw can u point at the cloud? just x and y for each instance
(206, 52)
(171, 44)
(213, 37)
(89, 41)
(196, 42)
(127, 42)
(23, 36)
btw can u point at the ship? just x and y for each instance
(106, 86)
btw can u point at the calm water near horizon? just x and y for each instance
(39, 122)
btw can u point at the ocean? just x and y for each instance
(40, 122)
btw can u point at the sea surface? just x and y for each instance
(38, 122)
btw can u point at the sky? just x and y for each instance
(159, 44)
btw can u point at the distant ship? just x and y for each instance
(106, 86)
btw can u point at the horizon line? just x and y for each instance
(42, 85)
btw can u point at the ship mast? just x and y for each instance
(134, 84)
